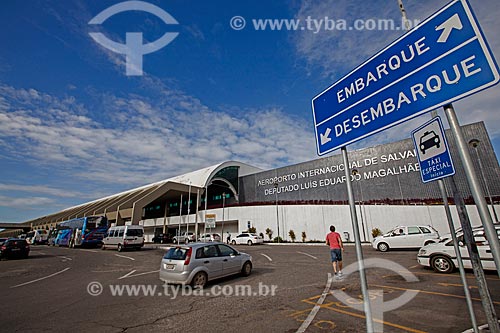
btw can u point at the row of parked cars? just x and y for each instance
(437, 252)
(190, 237)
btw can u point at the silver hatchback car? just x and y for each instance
(198, 263)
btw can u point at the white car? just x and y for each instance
(209, 238)
(406, 237)
(184, 238)
(442, 256)
(247, 238)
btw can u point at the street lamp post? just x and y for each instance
(474, 143)
(356, 172)
(223, 204)
(277, 214)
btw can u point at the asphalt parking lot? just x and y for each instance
(288, 291)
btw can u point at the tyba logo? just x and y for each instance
(134, 49)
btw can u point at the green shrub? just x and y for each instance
(376, 232)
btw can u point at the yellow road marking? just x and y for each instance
(455, 285)
(334, 307)
(430, 292)
(453, 275)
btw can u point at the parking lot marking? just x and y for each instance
(385, 323)
(65, 258)
(40, 279)
(124, 257)
(316, 308)
(93, 251)
(127, 275)
(431, 292)
(139, 274)
(39, 252)
(335, 306)
(309, 255)
(471, 277)
(455, 285)
(268, 258)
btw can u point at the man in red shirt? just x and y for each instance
(336, 247)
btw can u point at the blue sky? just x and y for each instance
(74, 127)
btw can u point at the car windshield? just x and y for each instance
(176, 253)
(134, 232)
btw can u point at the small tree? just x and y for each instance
(291, 233)
(252, 230)
(376, 232)
(304, 236)
(269, 233)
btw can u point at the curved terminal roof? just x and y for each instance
(130, 203)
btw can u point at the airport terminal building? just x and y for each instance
(306, 197)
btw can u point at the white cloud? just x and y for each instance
(25, 202)
(40, 189)
(140, 140)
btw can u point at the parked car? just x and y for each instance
(14, 248)
(185, 238)
(247, 238)
(442, 258)
(209, 238)
(198, 263)
(124, 237)
(38, 236)
(162, 238)
(2, 240)
(406, 237)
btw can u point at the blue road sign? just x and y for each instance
(443, 59)
(432, 151)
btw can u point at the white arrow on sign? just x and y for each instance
(448, 25)
(324, 138)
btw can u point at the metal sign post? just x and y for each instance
(357, 241)
(487, 302)
(475, 188)
(456, 246)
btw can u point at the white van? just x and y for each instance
(124, 237)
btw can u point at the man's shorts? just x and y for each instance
(336, 254)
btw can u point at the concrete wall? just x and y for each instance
(315, 220)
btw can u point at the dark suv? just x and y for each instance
(162, 238)
(14, 248)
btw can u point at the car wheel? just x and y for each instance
(442, 264)
(249, 243)
(246, 269)
(199, 280)
(233, 242)
(120, 248)
(103, 247)
(383, 247)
